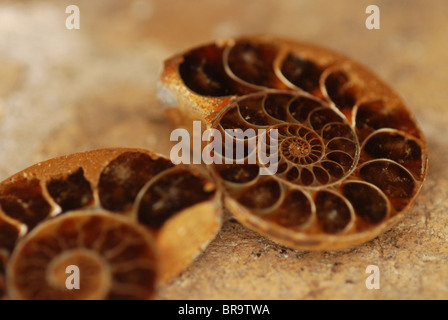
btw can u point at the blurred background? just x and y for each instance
(64, 91)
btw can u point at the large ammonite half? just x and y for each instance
(109, 196)
(351, 158)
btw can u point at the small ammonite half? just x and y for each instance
(350, 156)
(99, 208)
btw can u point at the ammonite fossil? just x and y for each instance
(98, 209)
(115, 257)
(351, 158)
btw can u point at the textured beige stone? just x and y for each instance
(11, 74)
(64, 91)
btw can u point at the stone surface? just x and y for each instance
(63, 91)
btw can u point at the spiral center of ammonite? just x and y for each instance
(299, 144)
(81, 272)
(299, 147)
